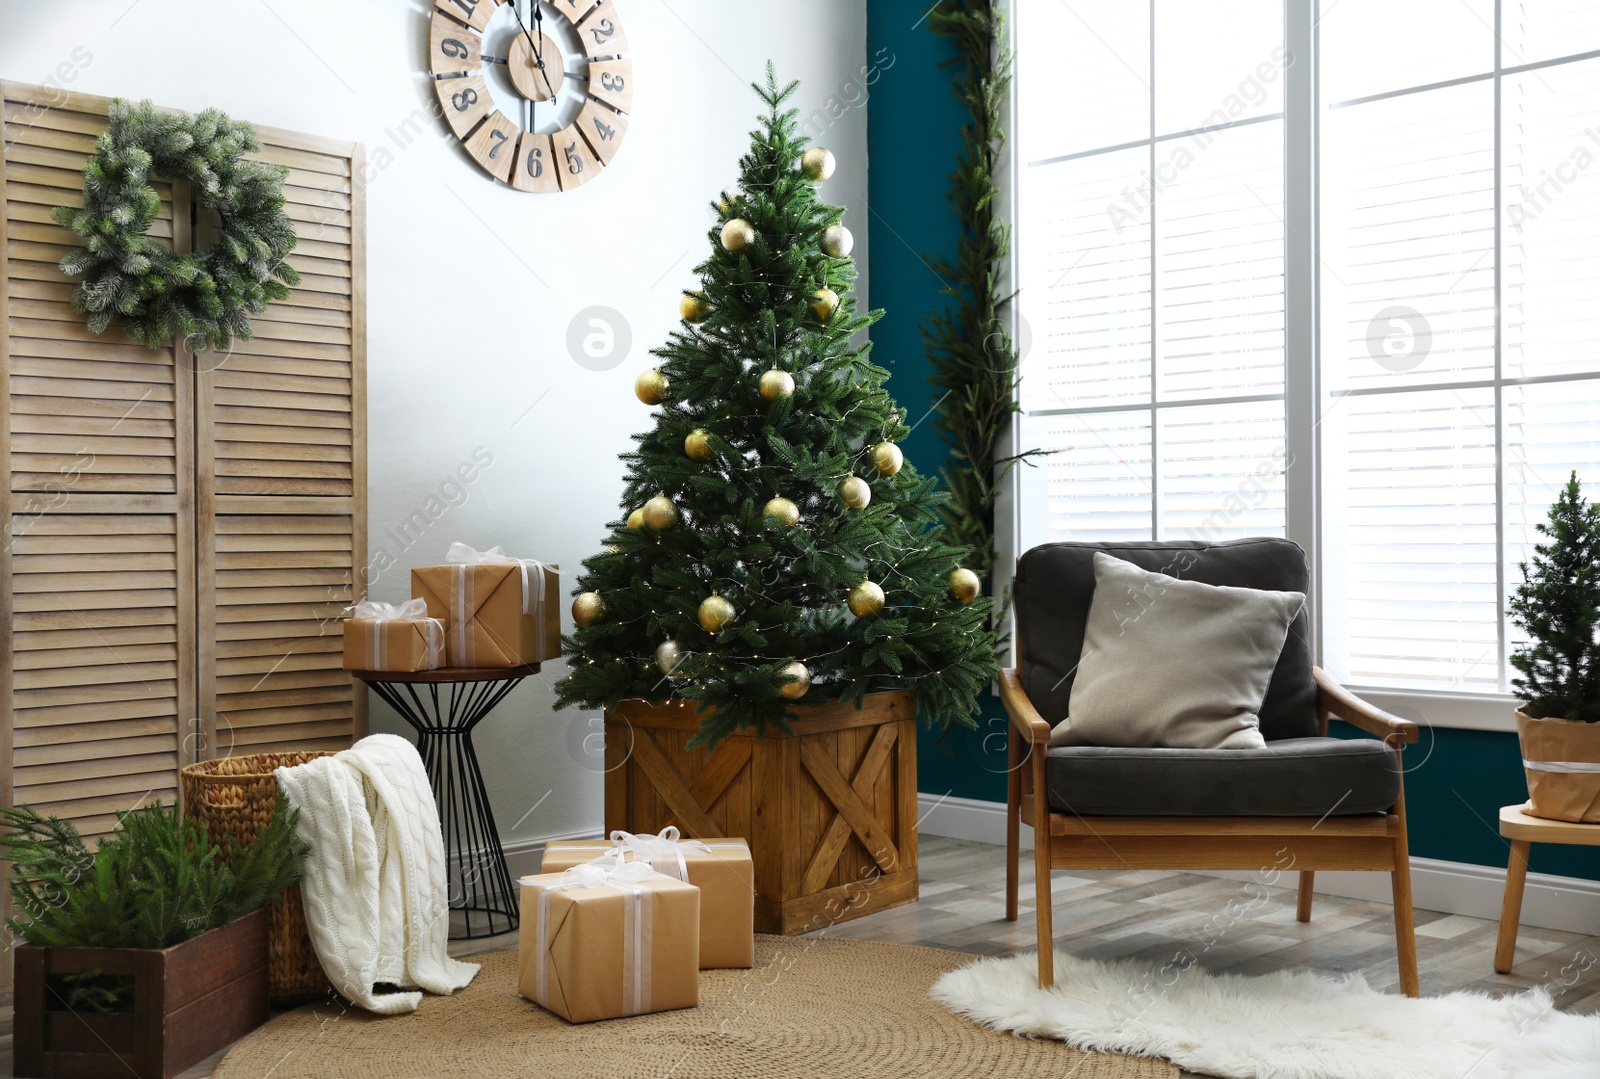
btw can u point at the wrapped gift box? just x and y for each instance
(498, 611)
(383, 637)
(608, 942)
(720, 868)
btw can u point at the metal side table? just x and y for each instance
(444, 706)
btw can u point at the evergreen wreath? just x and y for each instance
(205, 297)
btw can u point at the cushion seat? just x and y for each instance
(1290, 777)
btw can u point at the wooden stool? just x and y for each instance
(1523, 831)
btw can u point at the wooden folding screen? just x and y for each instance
(181, 531)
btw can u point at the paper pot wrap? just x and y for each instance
(607, 942)
(497, 611)
(720, 868)
(1562, 762)
(384, 637)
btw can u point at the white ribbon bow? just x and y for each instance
(410, 610)
(652, 850)
(532, 569)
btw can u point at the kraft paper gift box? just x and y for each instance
(385, 637)
(605, 942)
(497, 611)
(720, 868)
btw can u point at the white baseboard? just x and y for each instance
(1566, 904)
(523, 856)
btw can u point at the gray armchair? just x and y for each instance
(1304, 802)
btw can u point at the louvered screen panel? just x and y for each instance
(99, 563)
(282, 443)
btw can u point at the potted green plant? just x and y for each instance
(145, 955)
(1558, 607)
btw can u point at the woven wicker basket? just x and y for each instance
(237, 796)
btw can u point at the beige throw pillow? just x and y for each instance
(1174, 663)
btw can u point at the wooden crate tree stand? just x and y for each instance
(830, 812)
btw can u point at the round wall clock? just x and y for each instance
(538, 93)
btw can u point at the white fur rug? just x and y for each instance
(1277, 1026)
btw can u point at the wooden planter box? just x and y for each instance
(188, 1001)
(830, 812)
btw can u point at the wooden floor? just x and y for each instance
(1228, 926)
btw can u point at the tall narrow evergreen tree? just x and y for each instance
(776, 548)
(1558, 606)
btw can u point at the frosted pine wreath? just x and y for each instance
(205, 297)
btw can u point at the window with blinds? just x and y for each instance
(1456, 376)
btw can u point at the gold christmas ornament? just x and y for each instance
(636, 519)
(694, 308)
(818, 164)
(783, 511)
(802, 680)
(668, 656)
(866, 599)
(698, 446)
(837, 242)
(660, 514)
(964, 585)
(776, 384)
(737, 235)
(887, 458)
(588, 609)
(824, 302)
(613, 549)
(855, 493)
(651, 387)
(715, 612)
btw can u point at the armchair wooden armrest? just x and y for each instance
(1024, 716)
(1337, 701)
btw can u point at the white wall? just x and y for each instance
(471, 286)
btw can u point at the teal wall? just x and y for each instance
(1456, 780)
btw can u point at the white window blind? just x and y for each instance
(1456, 261)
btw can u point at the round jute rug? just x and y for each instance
(810, 1009)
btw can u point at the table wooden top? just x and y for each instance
(1516, 824)
(450, 674)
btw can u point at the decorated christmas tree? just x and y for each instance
(1558, 606)
(775, 547)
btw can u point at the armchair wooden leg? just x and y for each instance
(1405, 933)
(1014, 761)
(1302, 911)
(1041, 868)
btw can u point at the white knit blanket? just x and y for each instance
(374, 882)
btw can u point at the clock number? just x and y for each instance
(452, 48)
(606, 131)
(574, 159)
(465, 99)
(495, 149)
(612, 82)
(535, 162)
(603, 30)
(468, 6)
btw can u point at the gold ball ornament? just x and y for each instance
(855, 492)
(660, 514)
(668, 656)
(737, 235)
(588, 609)
(694, 308)
(636, 519)
(698, 446)
(651, 386)
(887, 458)
(824, 302)
(802, 680)
(837, 242)
(776, 384)
(783, 511)
(964, 585)
(866, 599)
(818, 164)
(715, 612)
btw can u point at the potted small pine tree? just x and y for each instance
(775, 608)
(145, 955)
(1558, 607)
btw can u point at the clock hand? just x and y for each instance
(538, 48)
